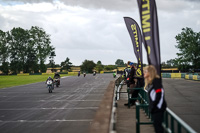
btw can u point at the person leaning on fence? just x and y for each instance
(132, 83)
(157, 103)
(127, 71)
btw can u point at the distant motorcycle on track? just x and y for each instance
(94, 73)
(84, 74)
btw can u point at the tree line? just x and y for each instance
(188, 57)
(25, 50)
(87, 66)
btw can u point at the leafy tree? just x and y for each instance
(41, 41)
(110, 67)
(5, 67)
(99, 66)
(189, 47)
(66, 65)
(51, 61)
(4, 54)
(119, 62)
(88, 66)
(25, 49)
(18, 40)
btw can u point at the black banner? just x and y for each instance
(136, 38)
(149, 24)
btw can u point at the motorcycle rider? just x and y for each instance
(84, 74)
(49, 78)
(114, 75)
(57, 76)
(79, 73)
(94, 73)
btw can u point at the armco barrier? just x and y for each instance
(183, 75)
(35, 73)
(186, 76)
(195, 77)
(47, 73)
(23, 74)
(190, 76)
(73, 73)
(175, 75)
(166, 75)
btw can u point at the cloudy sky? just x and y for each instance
(95, 29)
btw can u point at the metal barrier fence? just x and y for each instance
(169, 125)
(118, 85)
(189, 76)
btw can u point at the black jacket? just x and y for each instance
(156, 96)
(132, 74)
(56, 76)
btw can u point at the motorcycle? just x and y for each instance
(57, 82)
(94, 74)
(50, 85)
(84, 74)
(114, 75)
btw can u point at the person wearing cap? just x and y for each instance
(132, 75)
(132, 82)
(127, 71)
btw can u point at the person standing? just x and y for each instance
(127, 71)
(157, 103)
(132, 79)
(132, 84)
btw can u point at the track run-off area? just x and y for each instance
(183, 98)
(69, 109)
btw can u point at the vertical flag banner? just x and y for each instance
(136, 38)
(149, 24)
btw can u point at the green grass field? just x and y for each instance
(9, 81)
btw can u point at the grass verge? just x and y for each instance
(9, 81)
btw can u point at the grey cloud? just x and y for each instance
(121, 5)
(174, 6)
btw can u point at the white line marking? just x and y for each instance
(52, 101)
(22, 121)
(54, 108)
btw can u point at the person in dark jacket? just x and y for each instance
(132, 78)
(132, 84)
(57, 76)
(127, 71)
(157, 103)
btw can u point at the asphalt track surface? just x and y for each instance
(183, 98)
(69, 109)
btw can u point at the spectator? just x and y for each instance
(132, 84)
(157, 103)
(127, 71)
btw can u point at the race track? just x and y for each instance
(69, 109)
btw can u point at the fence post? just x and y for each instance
(137, 119)
(172, 124)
